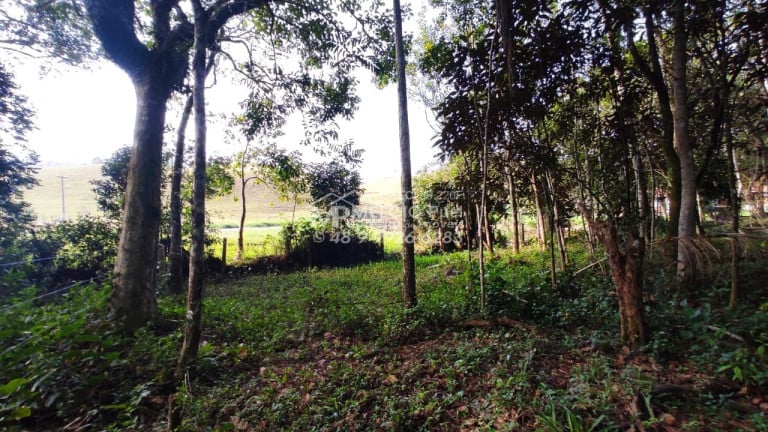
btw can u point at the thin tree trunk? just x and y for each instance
(409, 266)
(243, 207)
(176, 255)
(241, 226)
(480, 255)
(515, 213)
(655, 76)
(687, 223)
(541, 218)
(556, 224)
(194, 315)
(735, 203)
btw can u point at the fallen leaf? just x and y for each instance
(668, 419)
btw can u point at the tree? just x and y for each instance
(334, 186)
(406, 187)
(157, 66)
(17, 168)
(687, 224)
(155, 70)
(194, 315)
(110, 190)
(244, 170)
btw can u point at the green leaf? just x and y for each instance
(12, 385)
(22, 412)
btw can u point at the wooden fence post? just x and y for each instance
(224, 255)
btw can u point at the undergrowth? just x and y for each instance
(335, 350)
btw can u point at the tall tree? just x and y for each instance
(688, 206)
(194, 315)
(155, 72)
(406, 186)
(157, 67)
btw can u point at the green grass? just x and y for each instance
(335, 350)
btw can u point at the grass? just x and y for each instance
(335, 350)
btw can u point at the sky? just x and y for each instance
(84, 114)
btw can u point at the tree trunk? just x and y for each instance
(133, 300)
(515, 213)
(655, 76)
(687, 224)
(241, 227)
(409, 266)
(735, 203)
(626, 272)
(542, 221)
(175, 256)
(193, 321)
(480, 255)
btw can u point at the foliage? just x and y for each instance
(55, 29)
(335, 349)
(17, 171)
(62, 253)
(318, 243)
(333, 185)
(63, 360)
(110, 189)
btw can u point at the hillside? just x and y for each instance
(264, 206)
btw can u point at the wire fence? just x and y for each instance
(16, 263)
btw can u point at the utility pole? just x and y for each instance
(63, 207)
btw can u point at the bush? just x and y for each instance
(61, 253)
(318, 244)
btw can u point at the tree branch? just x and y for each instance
(221, 11)
(113, 25)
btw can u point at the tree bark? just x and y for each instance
(406, 187)
(175, 256)
(542, 220)
(735, 203)
(241, 227)
(193, 321)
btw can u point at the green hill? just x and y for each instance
(263, 205)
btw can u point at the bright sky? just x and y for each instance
(85, 114)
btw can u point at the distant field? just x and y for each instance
(46, 199)
(264, 208)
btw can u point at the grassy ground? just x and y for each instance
(334, 350)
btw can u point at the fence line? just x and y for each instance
(49, 293)
(11, 264)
